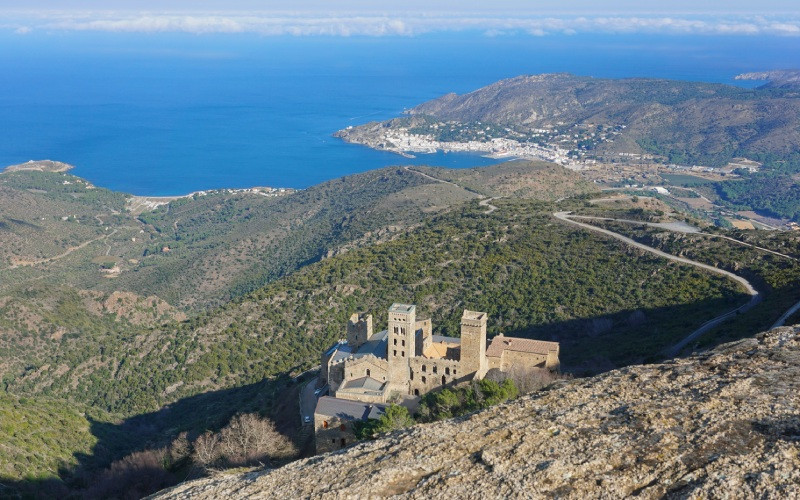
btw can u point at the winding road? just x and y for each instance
(755, 296)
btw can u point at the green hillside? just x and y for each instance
(608, 306)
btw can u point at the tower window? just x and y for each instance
(368, 372)
(395, 341)
(396, 329)
(395, 352)
(416, 392)
(444, 380)
(412, 375)
(447, 371)
(435, 368)
(423, 379)
(424, 369)
(403, 343)
(403, 354)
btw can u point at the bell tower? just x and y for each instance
(401, 344)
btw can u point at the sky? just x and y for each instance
(404, 17)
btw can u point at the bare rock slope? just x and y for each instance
(721, 424)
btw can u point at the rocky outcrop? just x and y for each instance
(720, 424)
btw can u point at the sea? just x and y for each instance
(167, 114)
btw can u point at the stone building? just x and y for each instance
(366, 370)
(334, 419)
(407, 360)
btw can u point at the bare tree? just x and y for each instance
(248, 437)
(206, 449)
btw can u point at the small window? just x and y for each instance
(396, 329)
(368, 372)
(416, 392)
(424, 369)
(403, 354)
(444, 380)
(395, 352)
(454, 371)
(404, 343)
(325, 424)
(333, 440)
(423, 380)
(395, 341)
(435, 368)
(447, 371)
(412, 375)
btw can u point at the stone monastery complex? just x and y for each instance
(405, 361)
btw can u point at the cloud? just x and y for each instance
(406, 24)
(23, 30)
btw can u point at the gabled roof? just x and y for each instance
(502, 343)
(365, 383)
(344, 408)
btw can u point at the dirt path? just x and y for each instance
(60, 256)
(755, 296)
(485, 202)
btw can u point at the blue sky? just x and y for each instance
(404, 18)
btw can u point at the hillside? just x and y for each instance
(608, 305)
(683, 122)
(674, 430)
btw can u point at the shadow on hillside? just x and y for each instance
(638, 336)
(276, 398)
(588, 346)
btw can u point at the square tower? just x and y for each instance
(359, 330)
(473, 343)
(401, 343)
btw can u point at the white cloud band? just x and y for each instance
(404, 25)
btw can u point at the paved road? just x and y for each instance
(786, 315)
(681, 227)
(671, 351)
(308, 401)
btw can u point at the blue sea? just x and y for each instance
(165, 114)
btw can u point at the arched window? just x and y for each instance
(395, 341)
(416, 392)
(424, 369)
(367, 372)
(403, 354)
(395, 352)
(423, 380)
(447, 371)
(435, 368)
(444, 380)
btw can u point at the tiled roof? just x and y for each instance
(502, 343)
(344, 408)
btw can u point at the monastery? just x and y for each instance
(367, 370)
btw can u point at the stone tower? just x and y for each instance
(473, 343)
(401, 345)
(359, 330)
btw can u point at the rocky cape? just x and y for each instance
(683, 122)
(724, 423)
